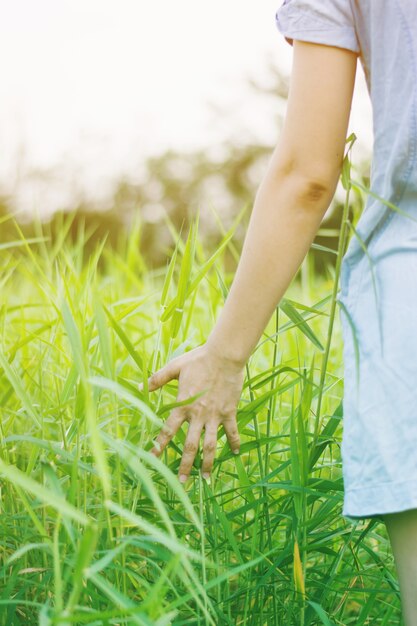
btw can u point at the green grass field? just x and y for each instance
(96, 530)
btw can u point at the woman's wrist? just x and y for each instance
(224, 353)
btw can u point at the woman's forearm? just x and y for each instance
(286, 216)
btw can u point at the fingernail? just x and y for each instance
(206, 476)
(183, 478)
(235, 451)
(156, 447)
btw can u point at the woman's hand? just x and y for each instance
(201, 369)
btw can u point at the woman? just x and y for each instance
(379, 269)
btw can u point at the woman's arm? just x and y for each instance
(289, 206)
(294, 195)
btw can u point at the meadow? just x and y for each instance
(96, 530)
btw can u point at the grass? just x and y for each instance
(96, 530)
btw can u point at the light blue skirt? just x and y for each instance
(378, 312)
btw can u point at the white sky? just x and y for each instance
(92, 86)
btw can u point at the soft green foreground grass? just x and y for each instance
(96, 530)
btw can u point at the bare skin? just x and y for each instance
(198, 370)
(402, 531)
(290, 203)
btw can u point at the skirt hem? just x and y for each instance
(380, 499)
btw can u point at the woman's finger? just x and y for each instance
(209, 447)
(168, 430)
(164, 375)
(232, 433)
(190, 449)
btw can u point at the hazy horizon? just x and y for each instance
(90, 89)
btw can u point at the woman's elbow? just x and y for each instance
(314, 187)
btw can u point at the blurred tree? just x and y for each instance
(173, 185)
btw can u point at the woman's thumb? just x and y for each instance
(162, 376)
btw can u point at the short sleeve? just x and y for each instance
(329, 22)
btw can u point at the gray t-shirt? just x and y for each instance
(384, 35)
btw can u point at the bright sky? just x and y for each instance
(92, 86)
